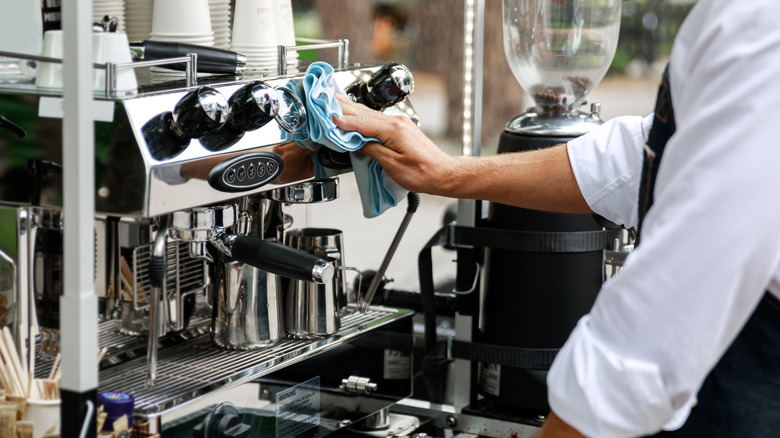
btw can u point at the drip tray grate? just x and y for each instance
(192, 369)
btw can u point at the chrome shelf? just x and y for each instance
(190, 370)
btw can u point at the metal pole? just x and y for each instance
(78, 305)
(473, 45)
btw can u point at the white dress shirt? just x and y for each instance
(710, 243)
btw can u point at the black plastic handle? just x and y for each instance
(13, 127)
(334, 160)
(279, 259)
(210, 59)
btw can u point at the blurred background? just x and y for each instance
(427, 36)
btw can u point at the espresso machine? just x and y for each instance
(558, 51)
(191, 182)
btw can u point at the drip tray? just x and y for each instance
(194, 368)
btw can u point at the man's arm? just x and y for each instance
(554, 427)
(541, 179)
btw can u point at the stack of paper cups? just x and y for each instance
(254, 34)
(285, 29)
(138, 17)
(181, 21)
(220, 22)
(112, 8)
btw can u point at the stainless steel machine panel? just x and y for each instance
(130, 182)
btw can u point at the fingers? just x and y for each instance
(371, 125)
(350, 107)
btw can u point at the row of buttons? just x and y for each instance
(251, 171)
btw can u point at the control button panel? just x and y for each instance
(246, 171)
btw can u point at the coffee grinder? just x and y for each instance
(558, 51)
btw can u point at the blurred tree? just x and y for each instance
(440, 52)
(348, 19)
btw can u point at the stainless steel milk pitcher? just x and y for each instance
(315, 310)
(248, 307)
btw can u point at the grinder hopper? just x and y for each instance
(558, 50)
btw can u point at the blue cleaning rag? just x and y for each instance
(378, 192)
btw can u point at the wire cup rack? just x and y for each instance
(191, 61)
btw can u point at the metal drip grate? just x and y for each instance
(189, 370)
(122, 347)
(183, 273)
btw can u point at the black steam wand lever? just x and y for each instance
(275, 258)
(13, 127)
(210, 59)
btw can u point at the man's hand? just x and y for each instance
(554, 427)
(407, 155)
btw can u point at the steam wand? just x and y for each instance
(156, 279)
(414, 201)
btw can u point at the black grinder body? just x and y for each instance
(533, 299)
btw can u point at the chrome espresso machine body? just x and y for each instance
(184, 218)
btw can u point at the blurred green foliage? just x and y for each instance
(647, 31)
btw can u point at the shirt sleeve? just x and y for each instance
(607, 164)
(710, 243)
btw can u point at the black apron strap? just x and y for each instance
(662, 130)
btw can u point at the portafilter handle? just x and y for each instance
(386, 87)
(276, 259)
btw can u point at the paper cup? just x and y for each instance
(112, 47)
(253, 22)
(283, 20)
(44, 414)
(49, 75)
(181, 17)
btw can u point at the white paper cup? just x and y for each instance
(112, 47)
(49, 75)
(44, 414)
(181, 17)
(253, 22)
(283, 20)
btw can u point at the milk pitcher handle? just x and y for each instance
(360, 279)
(278, 259)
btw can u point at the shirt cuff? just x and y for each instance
(607, 164)
(604, 395)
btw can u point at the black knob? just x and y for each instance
(252, 106)
(200, 112)
(163, 138)
(231, 426)
(388, 86)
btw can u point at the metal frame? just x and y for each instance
(473, 45)
(111, 68)
(79, 303)
(314, 44)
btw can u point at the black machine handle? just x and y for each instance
(210, 59)
(279, 259)
(13, 127)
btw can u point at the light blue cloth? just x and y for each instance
(378, 192)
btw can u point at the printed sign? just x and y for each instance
(398, 365)
(490, 378)
(298, 409)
